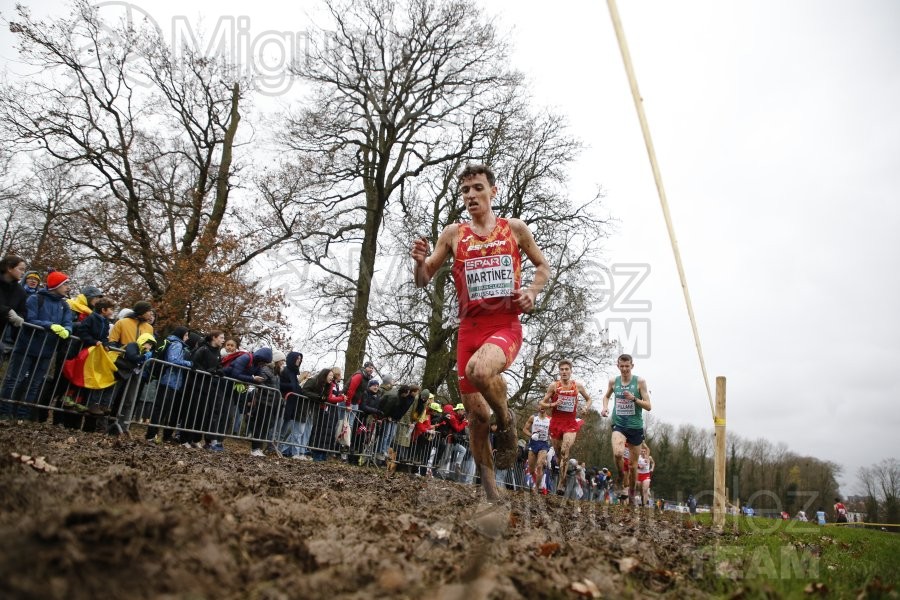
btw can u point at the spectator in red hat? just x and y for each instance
(48, 312)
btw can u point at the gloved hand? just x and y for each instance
(240, 388)
(535, 436)
(14, 319)
(59, 330)
(148, 355)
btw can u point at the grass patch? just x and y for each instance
(765, 558)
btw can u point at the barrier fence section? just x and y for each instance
(33, 385)
(197, 408)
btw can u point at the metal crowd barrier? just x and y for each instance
(32, 385)
(190, 406)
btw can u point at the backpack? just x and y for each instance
(159, 353)
(390, 402)
(227, 360)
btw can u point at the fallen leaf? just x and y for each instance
(548, 549)
(586, 588)
(628, 564)
(38, 463)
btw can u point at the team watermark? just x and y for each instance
(265, 57)
(622, 314)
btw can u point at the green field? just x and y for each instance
(766, 558)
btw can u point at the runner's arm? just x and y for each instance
(606, 397)
(526, 300)
(527, 429)
(425, 265)
(644, 400)
(587, 398)
(545, 402)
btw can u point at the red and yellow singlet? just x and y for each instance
(486, 270)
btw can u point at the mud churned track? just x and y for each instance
(120, 518)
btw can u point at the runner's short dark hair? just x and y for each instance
(565, 361)
(472, 170)
(625, 358)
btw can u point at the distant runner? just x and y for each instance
(632, 398)
(537, 429)
(562, 399)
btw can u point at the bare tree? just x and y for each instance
(156, 165)
(398, 88)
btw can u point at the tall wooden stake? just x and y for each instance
(720, 499)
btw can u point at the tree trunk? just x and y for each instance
(359, 325)
(439, 355)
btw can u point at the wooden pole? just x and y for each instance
(657, 176)
(719, 498)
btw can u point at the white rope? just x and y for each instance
(645, 128)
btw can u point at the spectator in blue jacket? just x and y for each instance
(169, 403)
(48, 312)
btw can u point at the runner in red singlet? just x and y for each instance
(487, 271)
(562, 398)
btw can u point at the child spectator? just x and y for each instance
(83, 304)
(31, 283)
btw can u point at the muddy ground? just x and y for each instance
(124, 519)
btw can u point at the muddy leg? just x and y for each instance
(479, 426)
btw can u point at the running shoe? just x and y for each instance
(506, 441)
(258, 453)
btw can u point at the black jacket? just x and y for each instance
(12, 296)
(206, 358)
(289, 384)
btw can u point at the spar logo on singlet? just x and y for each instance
(489, 276)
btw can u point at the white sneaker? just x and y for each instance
(298, 457)
(257, 453)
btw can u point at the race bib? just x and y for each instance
(490, 277)
(540, 430)
(624, 407)
(566, 403)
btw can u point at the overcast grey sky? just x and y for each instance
(777, 130)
